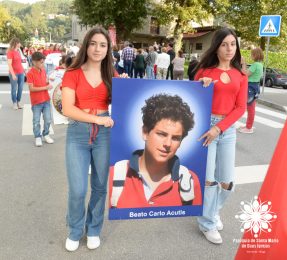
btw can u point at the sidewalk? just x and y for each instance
(276, 100)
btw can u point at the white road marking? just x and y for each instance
(250, 174)
(265, 121)
(27, 125)
(271, 113)
(0, 106)
(9, 92)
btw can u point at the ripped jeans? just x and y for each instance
(220, 168)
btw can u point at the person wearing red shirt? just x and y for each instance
(40, 99)
(16, 72)
(46, 51)
(154, 177)
(86, 94)
(221, 64)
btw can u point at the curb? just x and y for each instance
(272, 105)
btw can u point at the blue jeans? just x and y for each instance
(17, 87)
(80, 154)
(220, 167)
(149, 72)
(128, 67)
(44, 108)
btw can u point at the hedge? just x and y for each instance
(275, 59)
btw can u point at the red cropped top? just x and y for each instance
(87, 97)
(229, 99)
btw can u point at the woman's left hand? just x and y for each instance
(210, 135)
(207, 81)
(124, 75)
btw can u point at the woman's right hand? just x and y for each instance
(206, 81)
(14, 77)
(106, 121)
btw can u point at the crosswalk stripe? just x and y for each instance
(271, 113)
(0, 106)
(265, 121)
(27, 125)
(250, 174)
(9, 92)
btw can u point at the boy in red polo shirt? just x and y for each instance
(40, 99)
(153, 177)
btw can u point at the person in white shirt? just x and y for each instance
(162, 62)
(178, 66)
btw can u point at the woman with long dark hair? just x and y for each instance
(86, 91)
(16, 72)
(221, 64)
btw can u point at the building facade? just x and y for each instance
(150, 33)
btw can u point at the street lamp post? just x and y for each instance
(8, 24)
(50, 36)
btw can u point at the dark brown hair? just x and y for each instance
(210, 59)
(37, 56)
(107, 68)
(165, 106)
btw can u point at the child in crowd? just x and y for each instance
(254, 73)
(55, 78)
(40, 99)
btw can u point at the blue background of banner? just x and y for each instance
(128, 97)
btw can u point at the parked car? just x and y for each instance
(275, 77)
(4, 70)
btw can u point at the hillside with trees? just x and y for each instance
(50, 18)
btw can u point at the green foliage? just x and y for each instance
(27, 18)
(182, 12)
(275, 59)
(245, 15)
(125, 15)
(10, 26)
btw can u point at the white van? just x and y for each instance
(4, 70)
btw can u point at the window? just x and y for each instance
(154, 26)
(198, 46)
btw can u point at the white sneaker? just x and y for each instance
(213, 236)
(219, 224)
(93, 242)
(15, 107)
(72, 245)
(20, 106)
(48, 139)
(38, 141)
(245, 130)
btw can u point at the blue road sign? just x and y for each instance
(270, 25)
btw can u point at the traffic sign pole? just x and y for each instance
(269, 27)
(266, 63)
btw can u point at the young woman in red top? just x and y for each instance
(16, 72)
(221, 64)
(86, 94)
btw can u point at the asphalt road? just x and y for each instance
(33, 199)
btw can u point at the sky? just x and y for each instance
(26, 1)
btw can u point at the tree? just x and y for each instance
(245, 16)
(125, 15)
(10, 26)
(47, 16)
(180, 13)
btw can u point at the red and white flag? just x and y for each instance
(271, 243)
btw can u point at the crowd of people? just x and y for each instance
(154, 62)
(86, 95)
